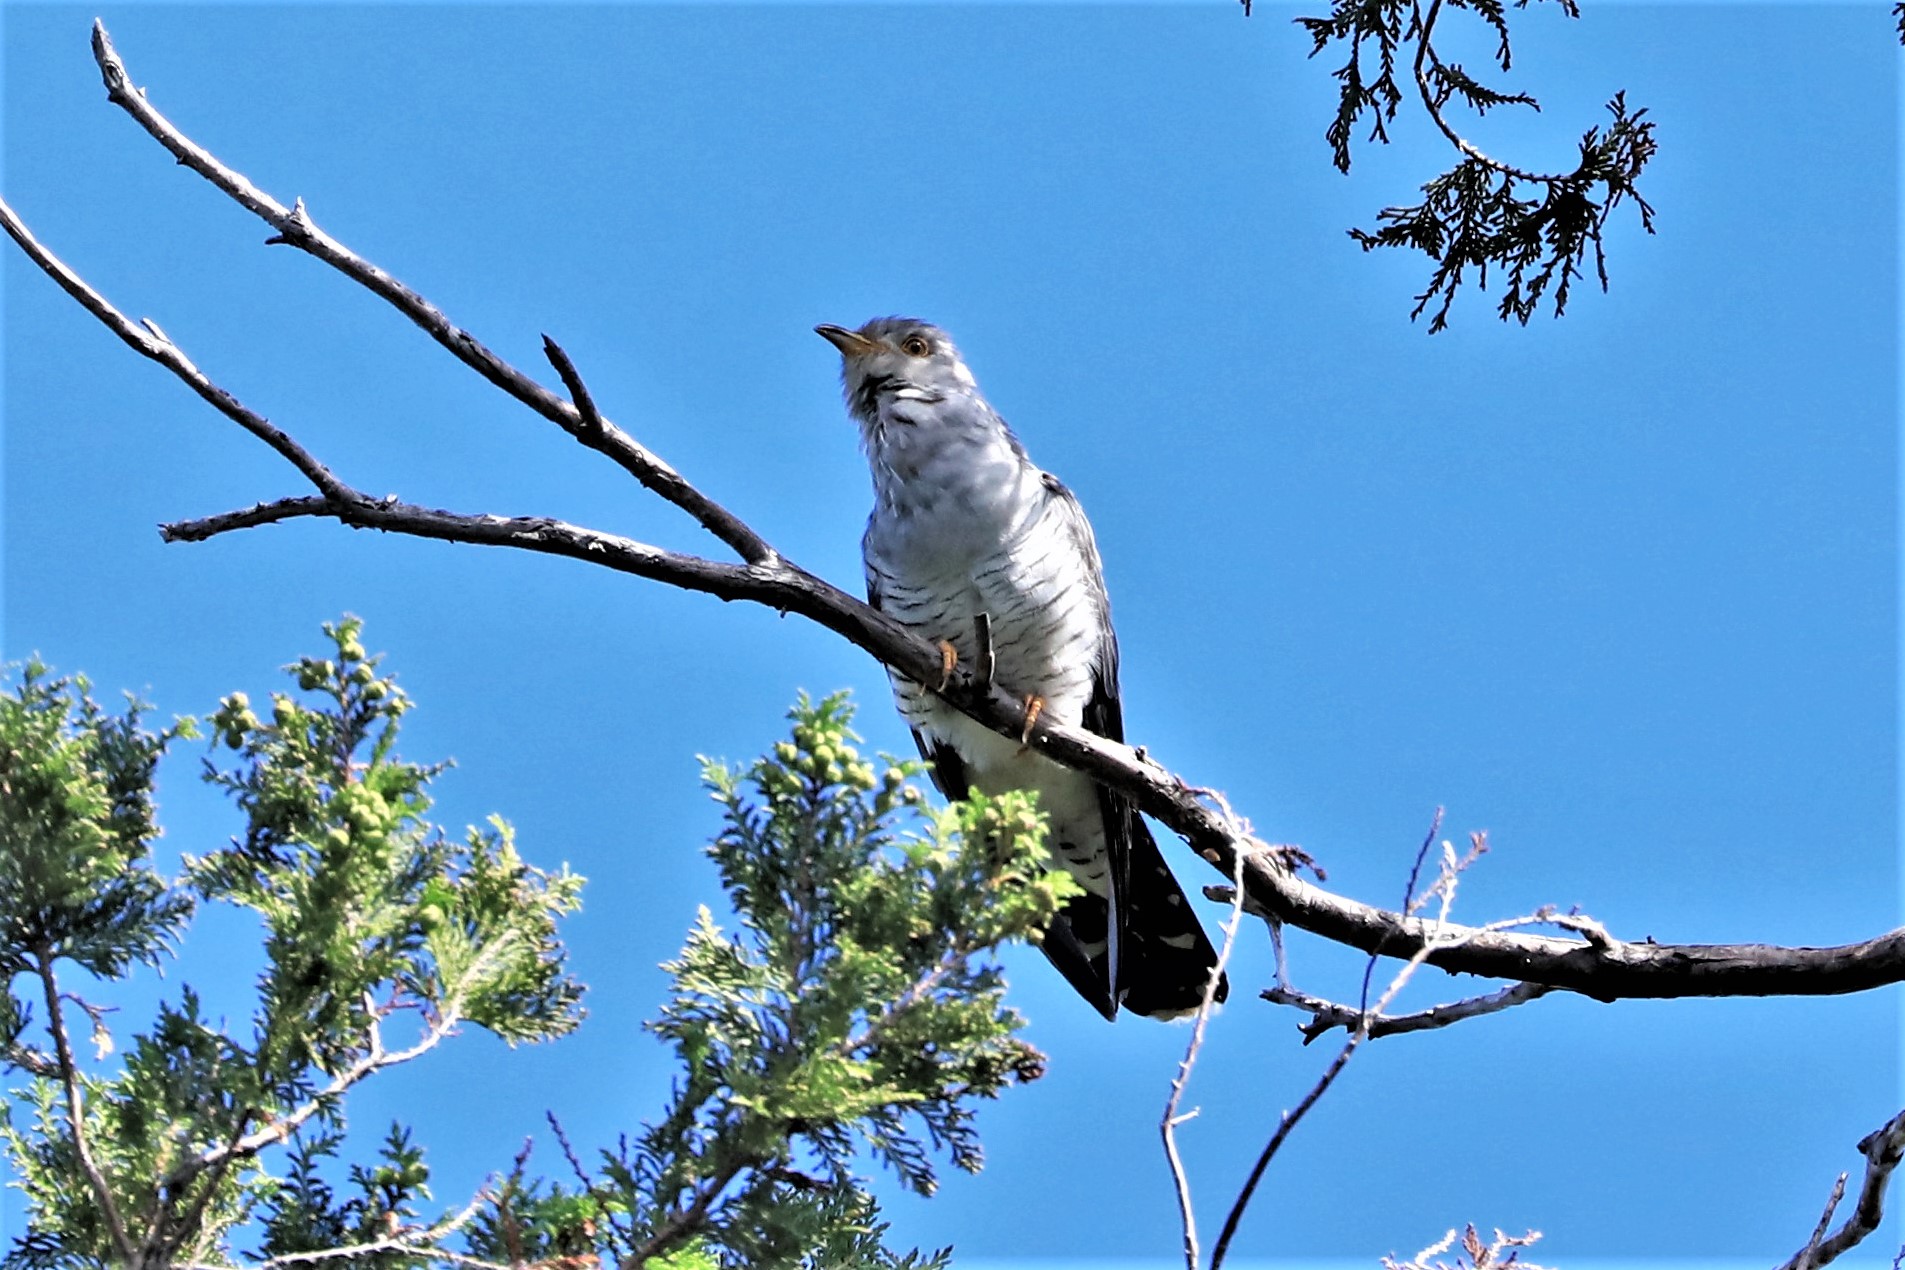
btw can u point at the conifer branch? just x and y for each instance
(70, 1080)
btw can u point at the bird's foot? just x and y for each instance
(948, 658)
(1034, 706)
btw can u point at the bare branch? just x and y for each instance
(1481, 1256)
(572, 380)
(31, 1061)
(1444, 889)
(148, 340)
(1168, 1123)
(295, 228)
(1604, 970)
(1808, 1257)
(245, 518)
(1328, 1014)
(678, 1224)
(279, 1128)
(1883, 1150)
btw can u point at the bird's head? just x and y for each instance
(893, 360)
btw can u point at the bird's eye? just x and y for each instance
(916, 346)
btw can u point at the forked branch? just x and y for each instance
(1600, 966)
(1883, 1150)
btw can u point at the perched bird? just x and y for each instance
(969, 539)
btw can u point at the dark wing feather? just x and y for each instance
(947, 768)
(1104, 715)
(1165, 958)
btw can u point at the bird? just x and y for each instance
(970, 542)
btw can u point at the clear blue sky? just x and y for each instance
(1621, 589)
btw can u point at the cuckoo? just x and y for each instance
(969, 541)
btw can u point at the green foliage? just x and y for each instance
(373, 919)
(856, 1009)
(854, 1012)
(76, 825)
(303, 1213)
(1538, 229)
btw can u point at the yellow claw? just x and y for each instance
(1034, 706)
(948, 658)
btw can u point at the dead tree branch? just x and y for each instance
(1443, 890)
(295, 228)
(1503, 1251)
(1883, 1150)
(1172, 1118)
(1326, 1014)
(1602, 967)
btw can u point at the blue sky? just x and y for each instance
(1620, 589)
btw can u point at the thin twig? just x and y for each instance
(680, 1223)
(1444, 887)
(414, 1244)
(210, 1179)
(295, 227)
(76, 1107)
(1168, 1123)
(30, 1061)
(1883, 1150)
(375, 1059)
(579, 393)
(615, 1230)
(1806, 1258)
(1327, 1014)
(148, 341)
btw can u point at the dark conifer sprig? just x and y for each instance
(1537, 229)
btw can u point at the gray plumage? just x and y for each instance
(964, 524)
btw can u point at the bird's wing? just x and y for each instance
(1104, 715)
(1162, 958)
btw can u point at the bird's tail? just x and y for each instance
(1164, 960)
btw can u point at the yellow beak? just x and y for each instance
(850, 343)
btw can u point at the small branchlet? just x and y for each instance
(367, 906)
(1497, 1254)
(1537, 229)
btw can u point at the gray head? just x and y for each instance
(898, 359)
(936, 449)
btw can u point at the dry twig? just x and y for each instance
(1883, 1150)
(1168, 1123)
(1503, 1251)
(1444, 889)
(70, 1082)
(1328, 1014)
